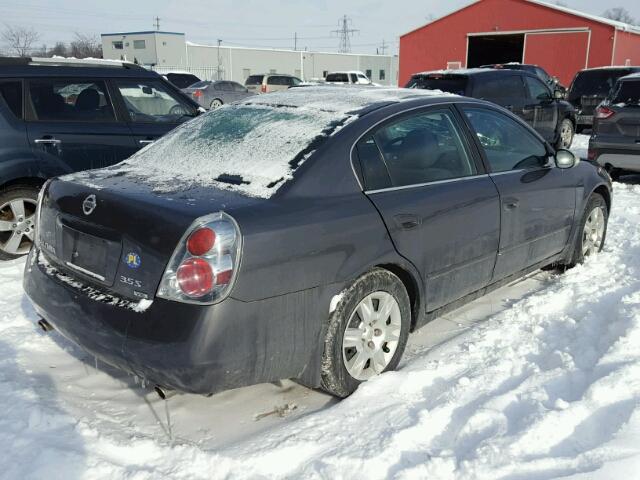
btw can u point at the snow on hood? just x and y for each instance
(253, 147)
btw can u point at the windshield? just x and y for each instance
(456, 85)
(596, 82)
(627, 93)
(252, 149)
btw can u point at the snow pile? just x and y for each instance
(547, 388)
(580, 146)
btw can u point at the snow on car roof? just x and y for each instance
(252, 147)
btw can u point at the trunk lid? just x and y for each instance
(118, 234)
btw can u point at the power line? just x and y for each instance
(345, 33)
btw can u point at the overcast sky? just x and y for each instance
(259, 23)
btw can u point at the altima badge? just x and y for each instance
(89, 204)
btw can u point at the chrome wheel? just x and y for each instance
(371, 337)
(17, 226)
(593, 233)
(566, 134)
(216, 104)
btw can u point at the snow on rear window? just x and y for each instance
(252, 149)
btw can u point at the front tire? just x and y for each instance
(592, 231)
(216, 103)
(367, 332)
(17, 221)
(565, 135)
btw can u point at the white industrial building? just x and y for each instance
(165, 51)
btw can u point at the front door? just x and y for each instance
(153, 108)
(440, 208)
(537, 199)
(72, 123)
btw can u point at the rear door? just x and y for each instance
(440, 208)
(73, 123)
(541, 110)
(537, 199)
(151, 107)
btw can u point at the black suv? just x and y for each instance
(552, 82)
(590, 87)
(615, 140)
(61, 116)
(521, 92)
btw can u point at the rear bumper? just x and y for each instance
(624, 156)
(189, 348)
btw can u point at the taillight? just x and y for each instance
(204, 265)
(197, 93)
(592, 155)
(41, 194)
(604, 113)
(263, 88)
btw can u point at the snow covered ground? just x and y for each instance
(539, 380)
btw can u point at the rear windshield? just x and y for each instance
(248, 148)
(338, 77)
(627, 93)
(596, 82)
(202, 84)
(456, 85)
(254, 80)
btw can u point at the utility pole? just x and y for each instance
(383, 48)
(157, 24)
(344, 33)
(295, 41)
(219, 63)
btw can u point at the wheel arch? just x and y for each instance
(606, 194)
(411, 285)
(28, 181)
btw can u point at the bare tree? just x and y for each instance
(19, 40)
(59, 50)
(619, 14)
(84, 46)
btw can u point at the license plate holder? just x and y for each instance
(85, 253)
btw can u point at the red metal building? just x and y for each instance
(559, 39)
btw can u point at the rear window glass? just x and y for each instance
(338, 77)
(627, 93)
(182, 80)
(457, 85)
(596, 82)
(252, 149)
(254, 80)
(11, 93)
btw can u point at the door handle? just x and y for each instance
(511, 204)
(407, 221)
(47, 141)
(145, 142)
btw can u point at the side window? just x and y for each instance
(424, 147)
(537, 89)
(295, 81)
(507, 144)
(70, 100)
(499, 87)
(276, 80)
(374, 171)
(354, 78)
(236, 87)
(11, 93)
(151, 101)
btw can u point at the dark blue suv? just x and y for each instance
(60, 116)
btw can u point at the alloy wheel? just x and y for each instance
(593, 232)
(371, 336)
(17, 226)
(216, 104)
(566, 134)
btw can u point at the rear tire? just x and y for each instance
(216, 103)
(17, 220)
(592, 230)
(565, 135)
(367, 332)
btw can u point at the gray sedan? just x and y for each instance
(213, 94)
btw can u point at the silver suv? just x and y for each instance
(272, 82)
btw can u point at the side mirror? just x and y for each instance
(566, 159)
